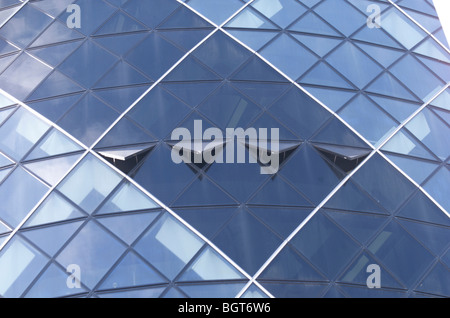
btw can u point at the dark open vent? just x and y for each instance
(126, 158)
(346, 158)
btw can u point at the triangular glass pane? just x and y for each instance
(254, 292)
(185, 39)
(55, 85)
(54, 108)
(55, 143)
(357, 273)
(436, 282)
(443, 100)
(251, 19)
(264, 94)
(190, 70)
(222, 290)
(384, 56)
(438, 67)
(283, 220)
(361, 226)
(336, 133)
(431, 49)
(384, 183)
(52, 170)
(20, 132)
(289, 56)
(320, 45)
(121, 98)
(351, 198)
(256, 70)
(127, 198)
(241, 241)
(254, 39)
(53, 284)
(154, 292)
(5, 161)
(183, 18)
(86, 247)
(418, 170)
(399, 109)
(300, 112)
(387, 85)
(131, 271)
(206, 220)
(6, 61)
(128, 227)
(56, 33)
(152, 13)
(54, 55)
(203, 193)
(228, 56)
(403, 143)
(120, 44)
(316, 178)
(311, 23)
(124, 133)
(59, 234)
(173, 292)
(268, 122)
(53, 209)
(321, 241)
(209, 265)
(4, 173)
(421, 208)
(216, 10)
(322, 74)
(169, 245)
(278, 192)
(295, 290)
(89, 183)
(282, 12)
(288, 266)
(440, 180)
(191, 92)
(429, 129)
(405, 258)
(121, 75)
(332, 98)
(434, 238)
(376, 36)
(120, 23)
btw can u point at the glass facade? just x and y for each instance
(93, 204)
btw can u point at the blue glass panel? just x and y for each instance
(384, 183)
(52, 170)
(222, 54)
(55, 108)
(292, 290)
(325, 245)
(94, 14)
(289, 56)
(53, 7)
(322, 74)
(364, 292)
(185, 39)
(88, 119)
(135, 293)
(124, 133)
(282, 12)
(152, 13)
(256, 70)
(159, 111)
(54, 85)
(18, 203)
(89, 183)
(54, 209)
(320, 45)
(254, 292)
(59, 234)
(121, 98)
(173, 293)
(53, 144)
(311, 23)
(311, 174)
(183, 18)
(53, 283)
(16, 79)
(209, 265)
(191, 70)
(289, 265)
(23, 33)
(404, 143)
(216, 10)
(255, 40)
(223, 290)
(122, 74)
(57, 32)
(120, 23)
(191, 92)
(437, 281)
(360, 69)
(347, 21)
(128, 227)
(87, 64)
(168, 245)
(54, 55)
(94, 251)
(401, 254)
(241, 240)
(19, 265)
(131, 271)
(122, 43)
(251, 19)
(418, 170)
(154, 56)
(441, 180)
(300, 112)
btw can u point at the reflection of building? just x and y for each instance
(85, 149)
